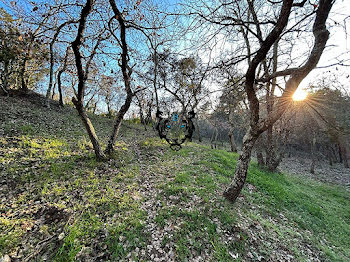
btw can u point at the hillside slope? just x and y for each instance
(150, 203)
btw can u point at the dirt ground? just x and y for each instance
(335, 174)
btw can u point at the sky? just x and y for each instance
(338, 43)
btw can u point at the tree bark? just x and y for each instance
(59, 76)
(90, 129)
(232, 141)
(321, 35)
(4, 85)
(48, 92)
(126, 70)
(260, 157)
(117, 124)
(233, 190)
(23, 71)
(195, 122)
(82, 76)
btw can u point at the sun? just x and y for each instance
(299, 95)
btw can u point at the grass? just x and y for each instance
(114, 209)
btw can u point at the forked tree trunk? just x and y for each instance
(233, 190)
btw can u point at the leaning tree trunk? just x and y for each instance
(117, 124)
(89, 128)
(233, 190)
(126, 70)
(82, 77)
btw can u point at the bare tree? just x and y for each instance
(257, 123)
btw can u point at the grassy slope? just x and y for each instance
(150, 202)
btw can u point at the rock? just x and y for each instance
(250, 255)
(84, 252)
(5, 258)
(61, 236)
(122, 238)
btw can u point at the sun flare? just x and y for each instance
(299, 95)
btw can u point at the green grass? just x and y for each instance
(54, 166)
(323, 209)
(310, 205)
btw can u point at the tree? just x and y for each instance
(275, 28)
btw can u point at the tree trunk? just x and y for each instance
(232, 141)
(117, 124)
(59, 75)
(343, 152)
(259, 153)
(59, 87)
(269, 148)
(312, 168)
(213, 139)
(142, 119)
(82, 77)
(126, 70)
(260, 157)
(48, 92)
(4, 86)
(22, 74)
(149, 113)
(233, 190)
(330, 157)
(53, 91)
(257, 126)
(198, 130)
(90, 130)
